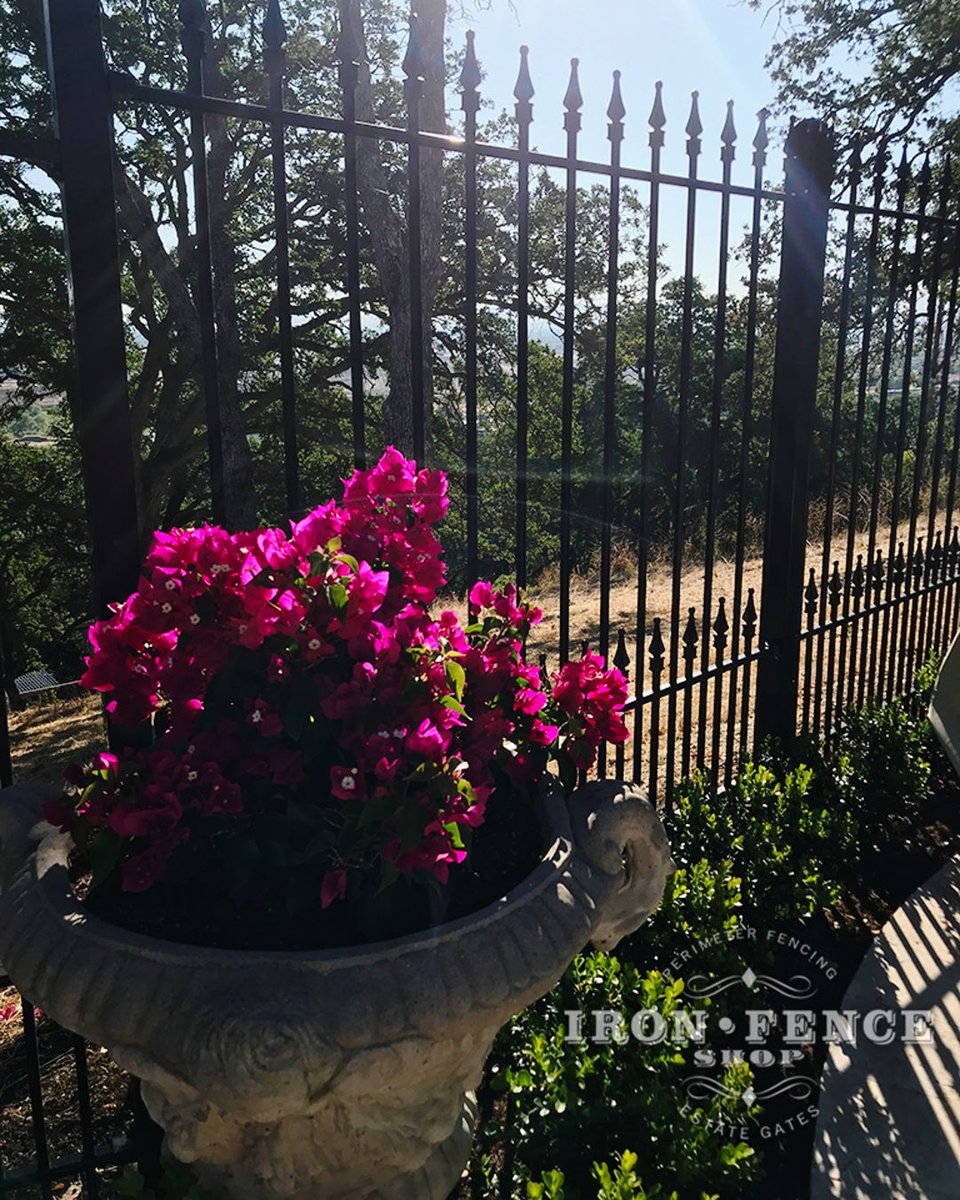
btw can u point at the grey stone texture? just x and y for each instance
(328, 1075)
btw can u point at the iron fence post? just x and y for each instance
(83, 120)
(810, 160)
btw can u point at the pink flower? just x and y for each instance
(264, 719)
(428, 740)
(346, 783)
(156, 813)
(542, 734)
(317, 529)
(334, 887)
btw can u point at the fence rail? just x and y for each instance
(816, 405)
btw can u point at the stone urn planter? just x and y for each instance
(325, 1075)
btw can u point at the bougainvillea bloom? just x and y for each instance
(299, 675)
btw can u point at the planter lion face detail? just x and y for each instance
(344, 1074)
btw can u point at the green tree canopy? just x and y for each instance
(877, 68)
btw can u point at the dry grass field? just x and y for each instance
(45, 736)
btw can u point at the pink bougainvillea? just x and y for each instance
(304, 667)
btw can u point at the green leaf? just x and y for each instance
(131, 1184)
(337, 595)
(103, 853)
(457, 677)
(454, 704)
(456, 838)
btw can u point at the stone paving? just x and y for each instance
(889, 1124)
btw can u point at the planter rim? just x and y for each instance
(49, 868)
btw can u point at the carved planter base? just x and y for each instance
(324, 1075)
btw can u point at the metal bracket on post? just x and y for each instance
(83, 119)
(810, 163)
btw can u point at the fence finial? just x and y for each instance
(721, 626)
(523, 92)
(924, 178)
(903, 176)
(195, 36)
(690, 636)
(750, 617)
(573, 100)
(761, 141)
(621, 659)
(348, 44)
(274, 30)
(413, 64)
(694, 126)
(616, 111)
(858, 578)
(657, 119)
(657, 648)
(274, 39)
(728, 136)
(193, 14)
(470, 76)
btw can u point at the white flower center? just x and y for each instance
(194, 618)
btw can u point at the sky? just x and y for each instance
(714, 46)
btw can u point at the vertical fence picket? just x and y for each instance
(470, 79)
(413, 93)
(621, 660)
(35, 1085)
(657, 122)
(854, 617)
(810, 596)
(728, 137)
(691, 637)
(195, 39)
(87, 1144)
(850, 631)
(834, 590)
(908, 661)
(656, 650)
(572, 103)
(615, 115)
(348, 56)
(749, 633)
(523, 113)
(693, 130)
(721, 627)
(839, 371)
(760, 143)
(275, 62)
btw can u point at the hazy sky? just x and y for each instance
(714, 46)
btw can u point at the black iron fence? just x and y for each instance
(737, 482)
